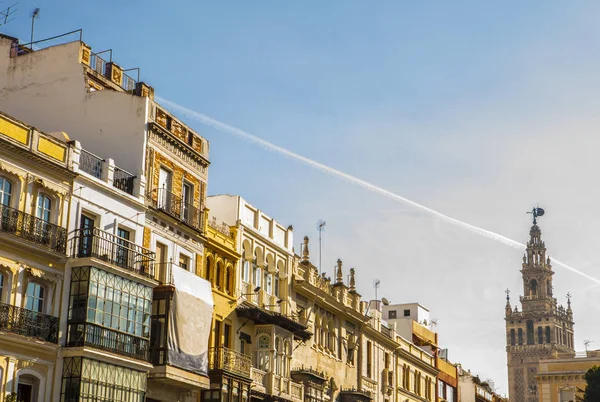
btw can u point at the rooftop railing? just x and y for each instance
(29, 323)
(115, 250)
(123, 180)
(91, 164)
(30, 228)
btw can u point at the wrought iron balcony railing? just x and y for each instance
(222, 358)
(115, 250)
(123, 180)
(28, 323)
(91, 164)
(86, 334)
(28, 227)
(178, 208)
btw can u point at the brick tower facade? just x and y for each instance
(542, 329)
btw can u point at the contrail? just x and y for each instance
(226, 128)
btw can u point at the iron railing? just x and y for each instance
(128, 83)
(115, 250)
(29, 323)
(86, 334)
(123, 180)
(98, 64)
(91, 164)
(222, 358)
(33, 229)
(164, 200)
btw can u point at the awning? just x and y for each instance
(261, 316)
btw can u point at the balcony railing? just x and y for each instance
(28, 227)
(226, 359)
(123, 180)
(178, 208)
(28, 323)
(91, 164)
(109, 340)
(115, 250)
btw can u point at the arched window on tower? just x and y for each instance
(513, 341)
(520, 336)
(530, 333)
(540, 335)
(547, 334)
(533, 287)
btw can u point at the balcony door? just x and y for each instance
(44, 209)
(164, 189)
(187, 195)
(161, 258)
(87, 236)
(5, 198)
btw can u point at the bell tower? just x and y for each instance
(542, 329)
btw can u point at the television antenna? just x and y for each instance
(320, 227)
(587, 343)
(7, 15)
(376, 284)
(433, 323)
(34, 14)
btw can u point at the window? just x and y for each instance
(567, 395)
(520, 336)
(392, 314)
(512, 337)
(34, 298)
(256, 274)
(369, 358)
(547, 334)
(190, 138)
(219, 275)
(278, 357)
(123, 248)
(227, 335)
(407, 313)
(187, 194)
(530, 334)
(5, 191)
(262, 356)
(2, 280)
(208, 274)
(540, 335)
(184, 261)
(533, 287)
(246, 271)
(44, 208)
(269, 283)
(27, 388)
(276, 285)
(228, 279)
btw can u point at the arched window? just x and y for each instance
(219, 275)
(317, 337)
(332, 336)
(228, 280)
(28, 388)
(44, 208)
(512, 337)
(533, 287)
(256, 274)
(262, 354)
(276, 284)
(287, 355)
(540, 335)
(34, 297)
(530, 333)
(547, 334)
(5, 191)
(208, 269)
(520, 336)
(268, 283)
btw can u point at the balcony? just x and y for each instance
(351, 394)
(228, 360)
(114, 250)
(121, 343)
(91, 164)
(277, 385)
(28, 323)
(30, 228)
(178, 208)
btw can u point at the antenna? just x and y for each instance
(320, 227)
(587, 343)
(7, 15)
(34, 14)
(433, 323)
(376, 284)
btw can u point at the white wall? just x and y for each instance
(47, 89)
(224, 207)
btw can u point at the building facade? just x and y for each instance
(542, 330)
(472, 389)
(35, 184)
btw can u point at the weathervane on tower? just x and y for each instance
(536, 212)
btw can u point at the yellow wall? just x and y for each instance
(14, 131)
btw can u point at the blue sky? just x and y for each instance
(478, 109)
